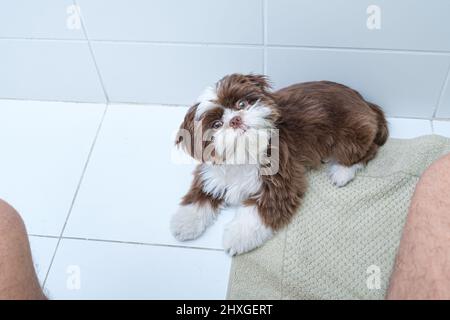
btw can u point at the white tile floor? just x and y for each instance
(96, 194)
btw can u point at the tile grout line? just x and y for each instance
(111, 103)
(264, 21)
(91, 51)
(358, 49)
(48, 236)
(149, 244)
(51, 101)
(242, 45)
(80, 181)
(408, 118)
(43, 39)
(169, 105)
(441, 94)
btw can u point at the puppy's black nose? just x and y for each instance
(236, 122)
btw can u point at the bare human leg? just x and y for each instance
(422, 268)
(18, 278)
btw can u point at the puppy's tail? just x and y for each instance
(383, 131)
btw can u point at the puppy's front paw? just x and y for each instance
(245, 233)
(190, 221)
(341, 175)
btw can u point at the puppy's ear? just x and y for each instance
(185, 135)
(259, 80)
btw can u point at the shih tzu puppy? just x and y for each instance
(254, 146)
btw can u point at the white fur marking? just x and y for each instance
(244, 147)
(205, 99)
(190, 221)
(256, 116)
(245, 232)
(233, 183)
(341, 175)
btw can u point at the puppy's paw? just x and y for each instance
(190, 221)
(341, 175)
(245, 233)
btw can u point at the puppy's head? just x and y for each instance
(230, 120)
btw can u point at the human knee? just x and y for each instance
(436, 176)
(440, 168)
(10, 220)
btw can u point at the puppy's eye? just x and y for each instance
(242, 104)
(217, 124)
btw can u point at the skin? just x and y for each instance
(422, 269)
(18, 280)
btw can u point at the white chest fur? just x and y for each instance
(233, 183)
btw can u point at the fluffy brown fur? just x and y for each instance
(317, 121)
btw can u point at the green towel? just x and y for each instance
(343, 241)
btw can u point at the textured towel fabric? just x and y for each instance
(343, 239)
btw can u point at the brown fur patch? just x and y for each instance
(198, 139)
(196, 195)
(233, 88)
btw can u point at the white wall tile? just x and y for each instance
(48, 70)
(405, 85)
(444, 105)
(127, 271)
(44, 149)
(168, 74)
(441, 128)
(45, 19)
(408, 128)
(405, 24)
(230, 21)
(140, 47)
